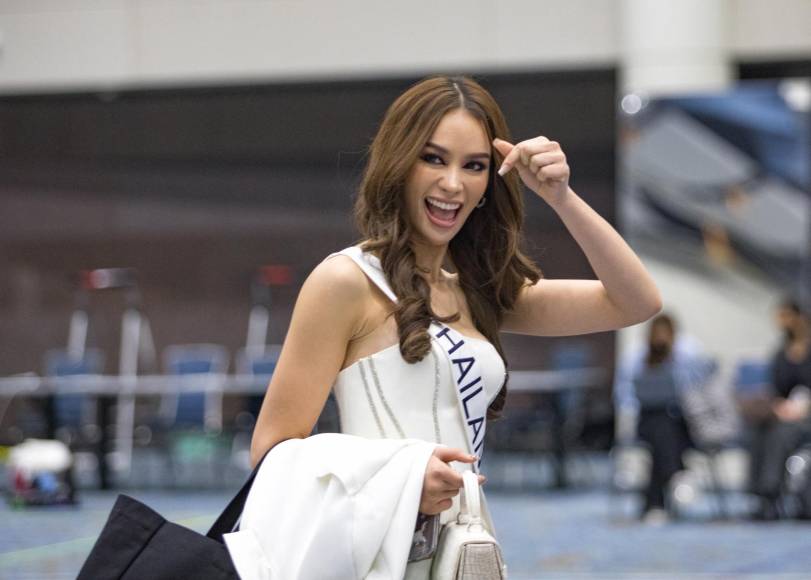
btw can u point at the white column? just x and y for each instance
(669, 46)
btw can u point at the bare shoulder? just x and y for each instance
(337, 293)
(339, 277)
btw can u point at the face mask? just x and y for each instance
(660, 349)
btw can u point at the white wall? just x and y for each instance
(66, 44)
(771, 29)
(75, 43)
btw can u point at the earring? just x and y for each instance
(482, 201)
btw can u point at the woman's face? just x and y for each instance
(661, 338)
(791, 323)
(448, 179)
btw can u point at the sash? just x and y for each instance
(469, 386)
(465, 369)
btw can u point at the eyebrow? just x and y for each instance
(445, 151)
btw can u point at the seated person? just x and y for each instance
(781, 422)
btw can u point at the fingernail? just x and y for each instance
(502, 170)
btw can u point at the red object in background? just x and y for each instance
(107, 278)
(275, 275)
(21, 483)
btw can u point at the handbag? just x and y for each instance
(467, 550)
(137, 542)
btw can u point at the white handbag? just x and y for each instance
(467, 550)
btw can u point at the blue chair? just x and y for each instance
(752, 378)
(572, 356)
(190, 426)
(73, 411)
(188, 409)
(260, 365)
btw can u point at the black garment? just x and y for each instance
(787, 374)
(773, 441)
(662, 426)
(665, 430)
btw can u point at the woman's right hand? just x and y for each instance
(442, 482)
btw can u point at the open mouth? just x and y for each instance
(442, 213)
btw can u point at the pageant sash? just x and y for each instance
(469, 386)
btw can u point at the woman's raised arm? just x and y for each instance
(327, 314)
(625, 293)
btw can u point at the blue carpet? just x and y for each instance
(544, 535)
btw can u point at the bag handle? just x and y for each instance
(471, 508)
(229, 518)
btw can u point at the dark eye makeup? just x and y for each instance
(435, 159)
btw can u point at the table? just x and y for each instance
(124, 389)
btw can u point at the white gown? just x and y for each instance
(383, 396)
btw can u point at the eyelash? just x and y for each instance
(428, 156)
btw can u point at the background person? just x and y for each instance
(783, 421)
(660, 380)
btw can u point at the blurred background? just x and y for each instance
(171, 171)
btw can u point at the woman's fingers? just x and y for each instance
(524, 152)
(436, 500)
(434, 504)
(511, 155)
(539, 160)
(502, 146)
(451, 478)
(443, 505)
(448, 454)
(442, 482)
(557, 172)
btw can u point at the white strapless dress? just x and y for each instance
(383, 396)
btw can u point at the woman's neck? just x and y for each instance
(429, 260)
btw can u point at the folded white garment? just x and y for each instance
(332, 506)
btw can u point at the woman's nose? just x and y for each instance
(451, 180)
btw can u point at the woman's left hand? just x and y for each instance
(541, 164)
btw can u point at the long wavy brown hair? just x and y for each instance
(485, 252)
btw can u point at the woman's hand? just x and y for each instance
(541, 164)
(442, 482)
(791, 411)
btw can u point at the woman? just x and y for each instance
(657, 377)
(442, 189)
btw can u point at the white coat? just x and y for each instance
(332, 506)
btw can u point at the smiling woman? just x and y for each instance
(449, 179)
(434, 147)
(438, 274)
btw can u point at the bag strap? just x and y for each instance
(230, 516)
(471, 504)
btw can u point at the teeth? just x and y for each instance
(443, 205)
